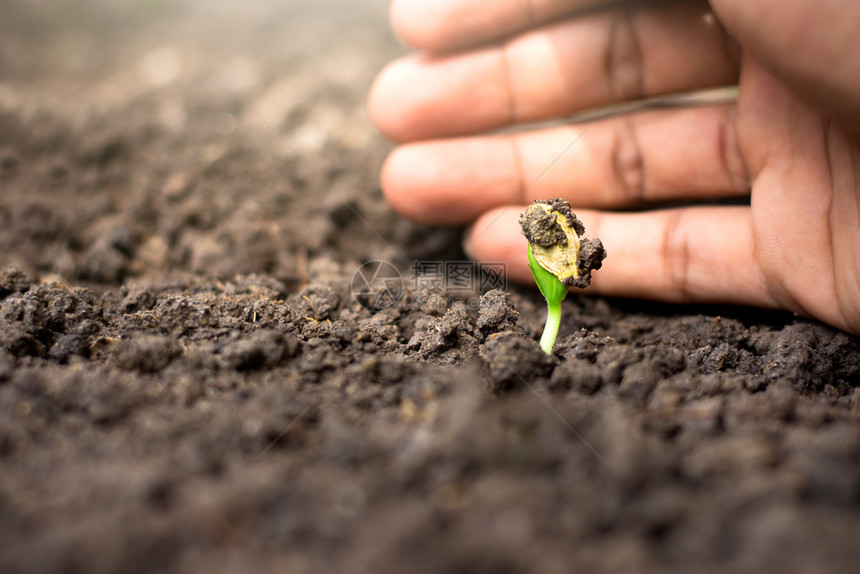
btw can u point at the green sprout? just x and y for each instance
(559, 257)
(554, 292)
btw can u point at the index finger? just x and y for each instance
(682, 255)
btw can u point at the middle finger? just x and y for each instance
(618, 163)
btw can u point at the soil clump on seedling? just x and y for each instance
(555, 236)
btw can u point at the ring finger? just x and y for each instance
(554, 71)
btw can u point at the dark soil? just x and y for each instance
(187, 383)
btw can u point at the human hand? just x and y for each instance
(790, 141)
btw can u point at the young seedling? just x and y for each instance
(559, 257)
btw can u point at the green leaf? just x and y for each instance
(552, 289)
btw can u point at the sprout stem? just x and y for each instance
(554, 292)
(550, 330)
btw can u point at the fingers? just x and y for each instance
(702, 254)
(554, 71)
(623, 162)
(446, 25)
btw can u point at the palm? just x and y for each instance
(804, 201)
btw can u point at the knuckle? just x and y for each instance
(733, 165)
(623, 58)
(628, 163)
(509, 82)
(675, 255)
